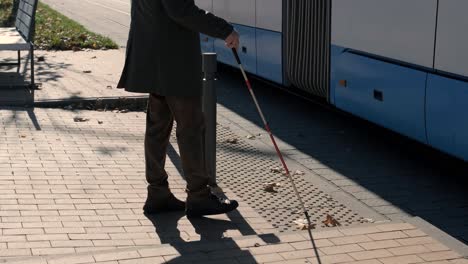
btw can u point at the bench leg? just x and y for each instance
(19, 60)
(31, 53)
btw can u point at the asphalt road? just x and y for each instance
(107, 17)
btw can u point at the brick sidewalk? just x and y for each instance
(376, 244)
(77, 188)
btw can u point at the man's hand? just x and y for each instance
(232, 41)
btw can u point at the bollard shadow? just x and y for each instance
(394, 175)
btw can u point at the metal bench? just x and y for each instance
(20, 37)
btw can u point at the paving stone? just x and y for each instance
(371, 254)
(299, 254)
(44, 244)
(150, 260)
(369, 261)
(309, 244)
(387, 235)
(416, 241)
(341, 249)
(350, 239)
(408, 259)
(441, 255)
(72, 260)
(331, 259)
(261, 258)
(122, 255)
(407, 250)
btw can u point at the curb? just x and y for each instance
(60, 103)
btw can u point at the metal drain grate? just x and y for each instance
(245, 170)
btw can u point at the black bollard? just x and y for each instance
(209, 110)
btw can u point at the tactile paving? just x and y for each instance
(245, 170)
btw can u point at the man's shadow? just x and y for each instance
(212, 242)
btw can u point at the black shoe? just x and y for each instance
(208, 205)
(162, 204)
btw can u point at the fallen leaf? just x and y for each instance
(94, 57)
(80, 119)
(41, 58)
(330, 221)
(303, 224)
(23, 136)
(232, 141)
(250, 137)
(298, 172)
(276, 170)
(270, 187)
(109, 87)
(256, 245)
(100, 122)
(87, 71)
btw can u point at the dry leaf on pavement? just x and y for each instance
(232, 141)
(80, 119)
(270, 187)
(251, 137)
(303, 224)
(298, 172)
(276, 170)
(330, 221)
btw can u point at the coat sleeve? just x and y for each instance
(187, 14)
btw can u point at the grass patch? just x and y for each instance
(55, 31)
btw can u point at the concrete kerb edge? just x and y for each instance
(60, 103)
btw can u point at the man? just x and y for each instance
(164, 59)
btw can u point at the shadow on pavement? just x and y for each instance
(210, 230)
(394, 175)
(13, 117)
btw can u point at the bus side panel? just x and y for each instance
(240, 12)
(452, 40)
(447, 119)
(399, 29)
(205, 5)
(269, 15)
(387, 94)
(334, 53)
(269, 56)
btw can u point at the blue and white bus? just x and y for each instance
(398, 63)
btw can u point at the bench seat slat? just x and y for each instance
(10, 39)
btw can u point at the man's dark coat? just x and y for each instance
(163, 50)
